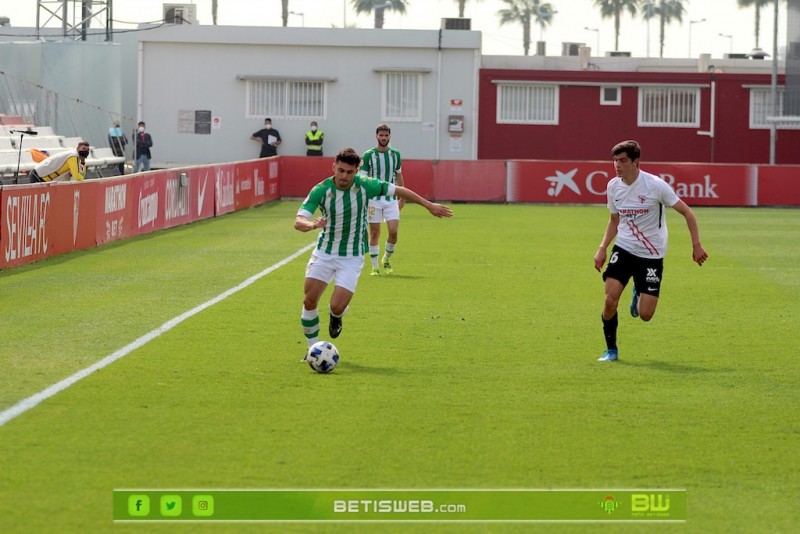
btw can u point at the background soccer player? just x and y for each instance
(383, 163)
(339, 254)
(636, 200)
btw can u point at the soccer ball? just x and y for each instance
(323, 357)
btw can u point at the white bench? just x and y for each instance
(6, 144)
(70, 142)
(44, 131)
(103, 158)
(9, 160)
(43, 143)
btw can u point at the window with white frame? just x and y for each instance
(286, 99)
(677, 107)
(761, 108)
(402, 97)
(611, 96)
(527, 104)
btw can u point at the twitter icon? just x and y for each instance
(171, 505)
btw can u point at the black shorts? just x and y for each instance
(646, 273)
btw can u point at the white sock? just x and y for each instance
(310, 322)
(389, 250)
(374, 252)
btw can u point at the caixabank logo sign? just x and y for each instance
(586, 183)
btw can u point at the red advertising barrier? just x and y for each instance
(470, 181)
(45, 219)
(72, 218)
(113, 210)
(299, 174)
(709, 185)
(24, 234)
(419, 176)
(224, 189)
(180, 194)
(41, 220)
(202, 185)
(132, 205)
(148, 193)
(779, 186)
(585, 182)
(272, 189)
(256, 182)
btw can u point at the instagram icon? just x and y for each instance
(203, 505)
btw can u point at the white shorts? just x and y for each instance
(383, 210)
(343, 270)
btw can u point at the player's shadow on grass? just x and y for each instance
(369, 369)
(682, 368)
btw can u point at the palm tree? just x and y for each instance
(524, 11)
(614, 8)
(667, 10)
(461, 5)
(214, 12)
(544, 16)
(285, 12)
(378, 7)
(649, 11)
(758, 5)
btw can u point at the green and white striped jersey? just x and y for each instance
(382, 165)
(345, 233)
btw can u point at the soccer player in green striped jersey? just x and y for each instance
(383, 163)
(339, 255)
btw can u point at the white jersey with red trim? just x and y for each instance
(642, 229)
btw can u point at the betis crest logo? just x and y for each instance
(609, 504)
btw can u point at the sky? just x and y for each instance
(711, 18)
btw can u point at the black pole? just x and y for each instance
(133, 149)
(19, 158)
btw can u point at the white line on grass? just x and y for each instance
(31, 402)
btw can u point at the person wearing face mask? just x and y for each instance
(62, 166)
(143, 142)
(269, 138)
(314, 139)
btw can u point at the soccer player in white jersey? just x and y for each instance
(339, 255)
(636, 200)
(384, 163)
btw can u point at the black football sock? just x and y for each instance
(610, 331)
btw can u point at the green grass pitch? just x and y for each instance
(473, 366)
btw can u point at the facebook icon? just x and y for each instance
(138, 505)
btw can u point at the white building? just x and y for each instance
(204, 90)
